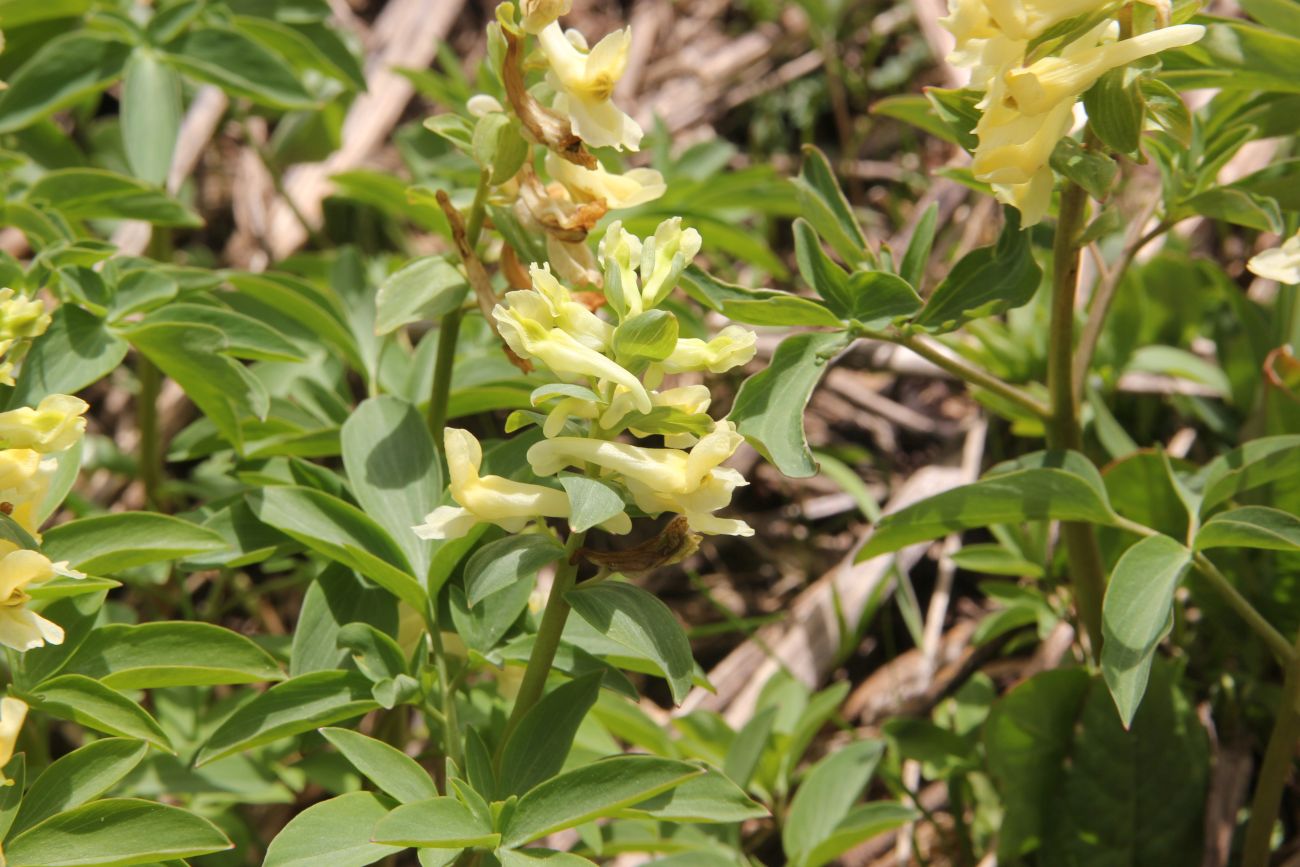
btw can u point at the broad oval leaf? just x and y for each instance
(639, 621)
(1253, 464)
(1136, 613)
(151, 116)
(62, 72)
(438, 823)
(239, 66)
(294, 706)
(112, 832)
(423, 289)
(150, 655)
(77, 777)
(1251, 527)
(824, 797)
(336, 832)
(90, 703)
(87, 194)
(387, 767)
(501, 563)
(76, 350)
(710, 797)
(122, 540)
(538, 748)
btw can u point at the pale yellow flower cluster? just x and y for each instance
(1029, 101)
(28, 436)
(614, 392)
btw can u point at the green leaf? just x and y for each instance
(77, 777)
(16, 13)
(336, 832)
(824, 797)
(245, 337)
(77, 616)
(89, 194)
(438, 823)
(113, 833)
(297, 705)
(123, 540)
(769, 407)
(239, 66)
(11, 796)
(825, 207)
(710, 797)
(194, 356)
(782, 310)
(991, 559)
(1250, 527)
(651, 336)
(878, 299)
(1063, 486)
(912, 269)
(919, 111)
(65, 70)
(1236, 206)
(343, 533)
(151, 116)
(985, 282)
(150, 655)
(394, 470)
(89, 702)
(424, 289)
(1136, 614)
(1236, 55)
(1093, 171)
(1256, 463)
(861, 824)
(639, 621)
(76, 350)
(747, 749)
(338, 597)
(387, 767)
(500, 564)
(958, 110)
(590, 792)
(592, 501)
(309, 47)
(1115, 110)
(499, 146)
(539, 746)
(547, 857)
(1278, 14)
(822, 275)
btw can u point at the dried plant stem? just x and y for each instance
(1087, 574)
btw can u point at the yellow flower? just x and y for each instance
(1280, 263)
(731, 347)
(21, 317)
(535, 323)
(697, 506)
(21, 628)
(483, 104)
(632, 188)
(584, 83)
(664, 256)
(54, 425)
(24, 482)
(537, 14)
(690, 399)
(620, 252)
(492, 499)
(12, 713)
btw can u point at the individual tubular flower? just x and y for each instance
(56, 424)
(689, 399)
(1280, 263)
(620, 252)
(21, 317)
(584, 82)
(729, 348)
(570, 315)
(538, 14)
(531, 326)
(663, 258)
(615, 191)
(21, 628)
(12, 713)
(492, 499)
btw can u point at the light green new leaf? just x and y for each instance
(650, 336)
(151, 115)
(394, 471)
(64, 70)
(294, 706)
(16, 13)
(538, 748)
(425, 289)
(122, 540)
(1251, 527)
(1136, 614)
(239, 66)
(501, 563)
(387, 767)
(436, 823)
(592, 501)
(336, 833)
(78, 777)
(1063, 487)
(641, 622)
(769, 407)
(824, 797)
(88, 194)
(82, 700)
(113, 833)
(341, 532)
(590, 792)
(172, 653)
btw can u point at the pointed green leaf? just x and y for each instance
(151, 116)
(150, 655)
(436, 823)
(123, 540)
(89, 702)
(538, 748)
(113, 833)
(1251, 527)
(387, 767)
(336, 832)
(78, 777)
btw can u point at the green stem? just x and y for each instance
(1282, 649)
(1087, 572)
(449, 328)
(438, 657)
(146, 414)
(548, 640)
(1278, 760)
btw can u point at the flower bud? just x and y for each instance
(1280, 263)
(56, 424)
(539, 14)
